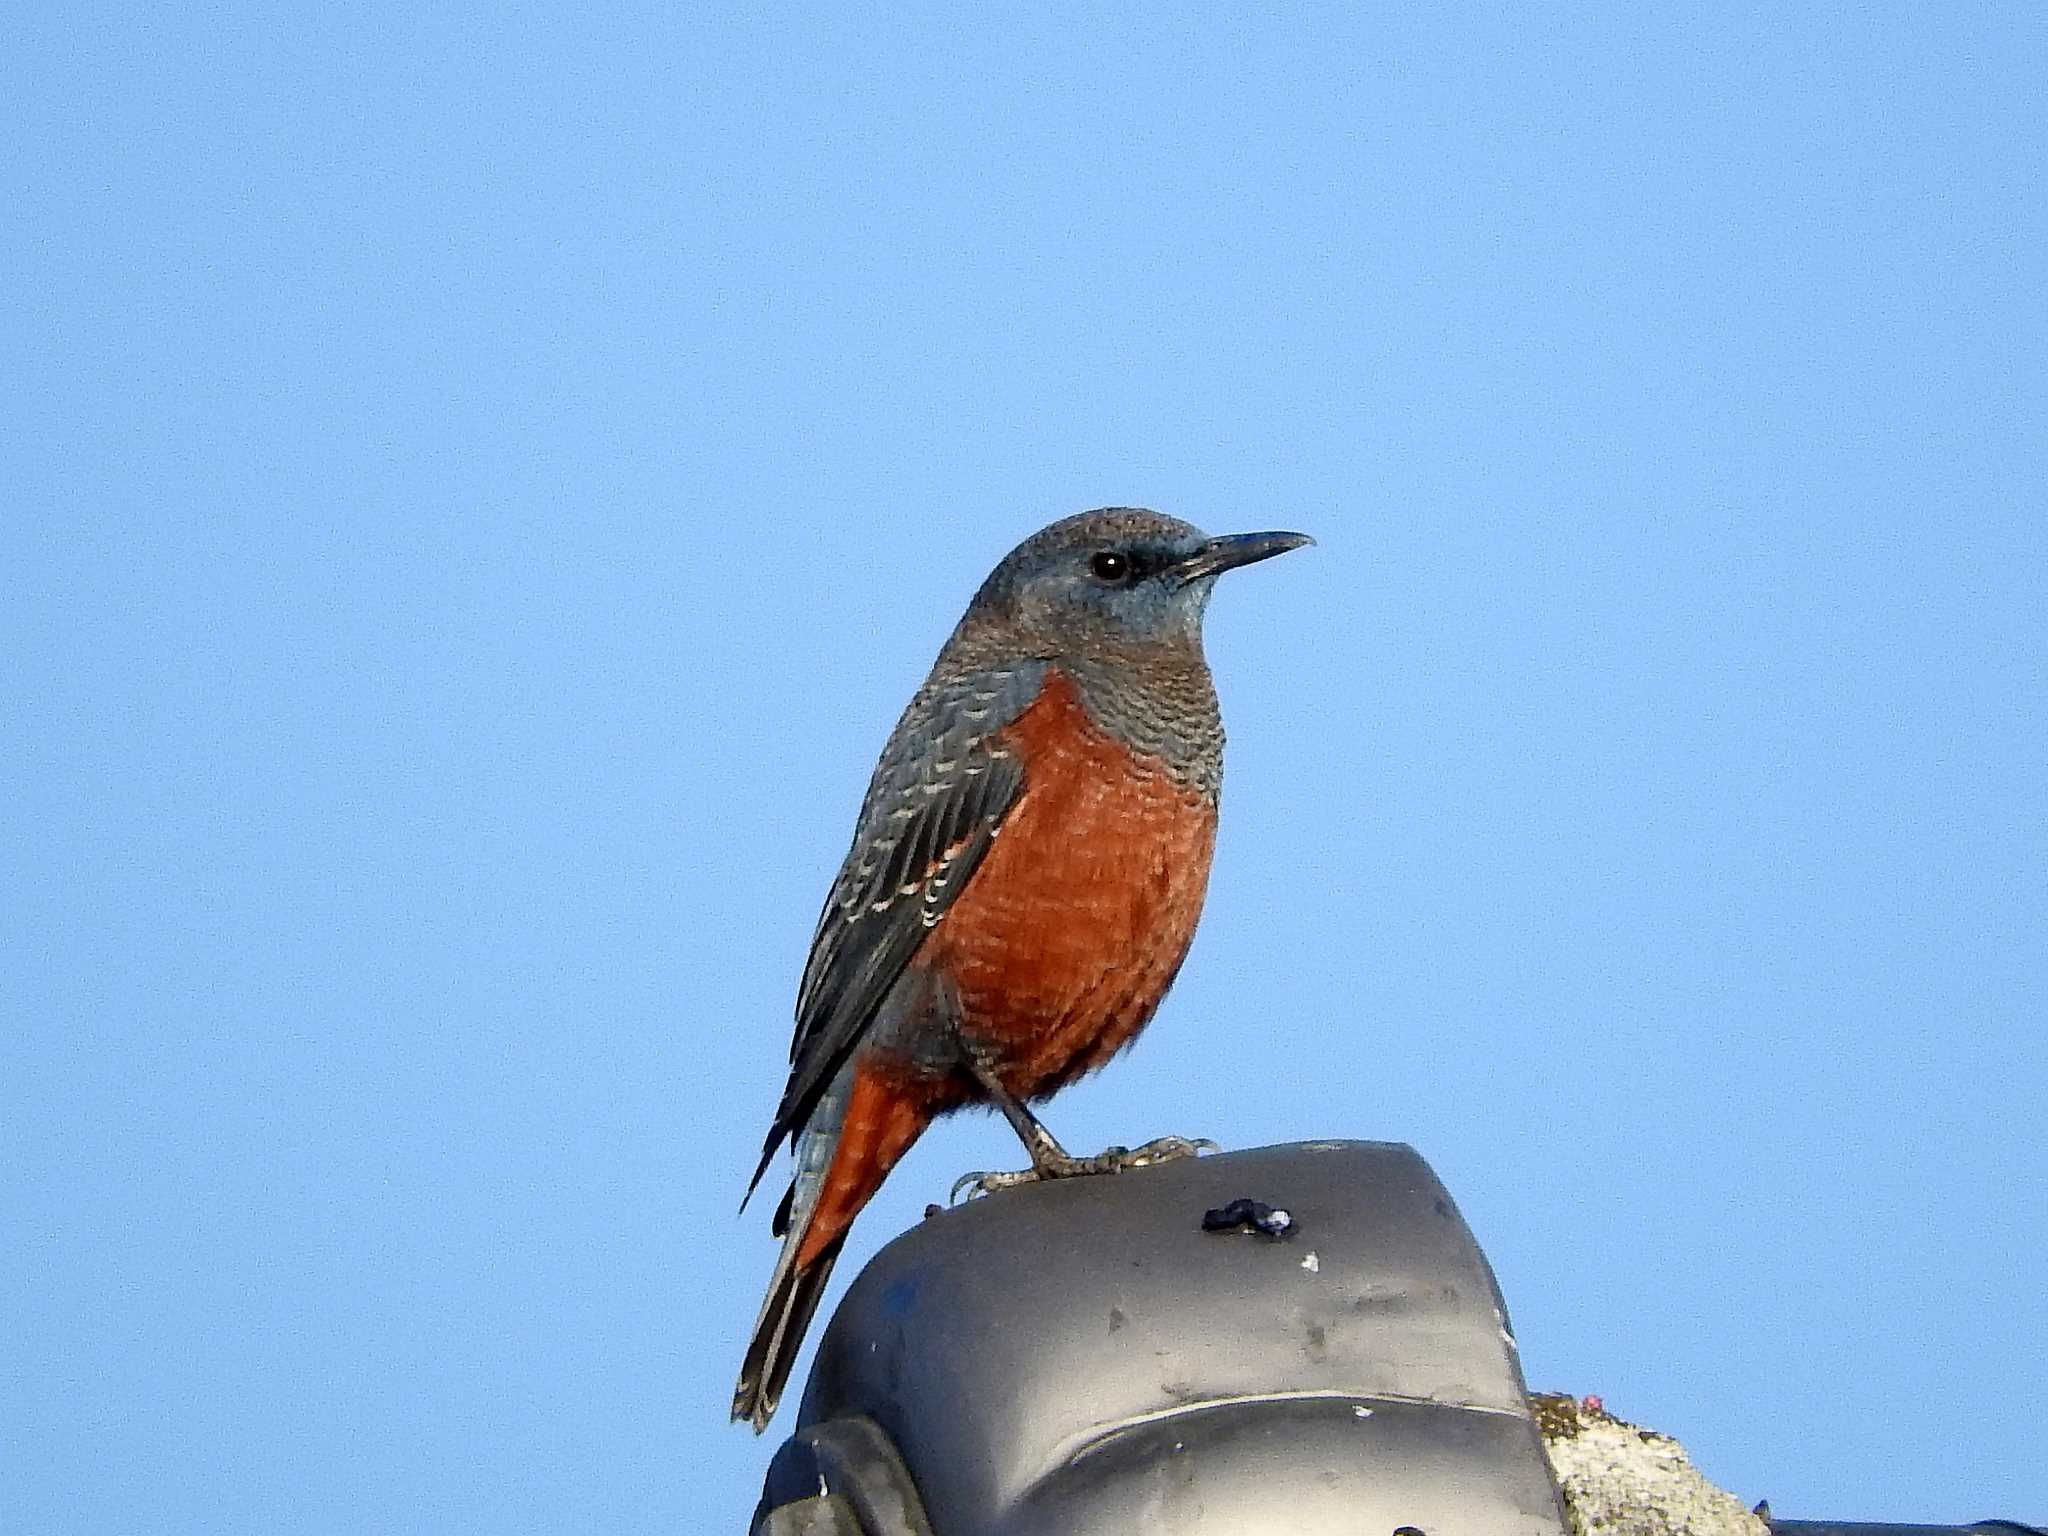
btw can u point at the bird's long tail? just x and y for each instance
(861, 1126)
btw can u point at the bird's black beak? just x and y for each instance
(1235, 549)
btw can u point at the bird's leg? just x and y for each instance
(1049, 1160)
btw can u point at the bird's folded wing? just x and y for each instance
(938, 797)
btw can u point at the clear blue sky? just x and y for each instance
(478, 492)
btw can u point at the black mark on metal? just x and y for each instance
(1249, 1216)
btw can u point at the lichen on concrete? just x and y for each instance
(1621, 1480)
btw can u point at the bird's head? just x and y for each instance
(1116, 579)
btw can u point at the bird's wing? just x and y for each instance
(939, 795)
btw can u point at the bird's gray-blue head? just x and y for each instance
(1114, 581)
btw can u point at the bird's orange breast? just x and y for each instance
(1074, 926)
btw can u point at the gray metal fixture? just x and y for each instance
(1327, 1352)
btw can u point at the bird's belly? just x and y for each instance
(1070, 932)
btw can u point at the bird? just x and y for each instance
(1026, 873)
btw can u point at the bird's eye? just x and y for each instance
(1110, 566)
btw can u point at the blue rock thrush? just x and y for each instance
(1024, 881)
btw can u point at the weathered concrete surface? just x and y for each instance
(1621, 1480)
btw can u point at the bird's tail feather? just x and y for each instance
(793, 1296)
(795, 1288)
(860, 1128)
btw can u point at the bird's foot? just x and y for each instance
(1165, 1149)
(972, 1186)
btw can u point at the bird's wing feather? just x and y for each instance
(938, 797)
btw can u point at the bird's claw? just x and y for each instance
(1164, 1149)
(975, 1185)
